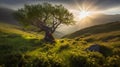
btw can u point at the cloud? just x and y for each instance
(102, 4)
(94, 5)
(99, 5)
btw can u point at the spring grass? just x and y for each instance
(19, 47)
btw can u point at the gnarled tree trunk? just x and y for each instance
(48, 32)
(49, 37)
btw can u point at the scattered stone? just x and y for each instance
(95, 47)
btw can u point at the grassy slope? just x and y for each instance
(18, 46)
(98, 29)
(15, 40)
(7, 28)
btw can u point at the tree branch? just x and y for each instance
(55, 26)
(46, 17)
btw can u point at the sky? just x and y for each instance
(109, 7)
(74, 6)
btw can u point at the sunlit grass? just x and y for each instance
(18, 45)
(7, 28)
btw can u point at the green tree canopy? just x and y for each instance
(46, 17)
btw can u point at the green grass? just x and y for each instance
(19, 47)
(7, 28)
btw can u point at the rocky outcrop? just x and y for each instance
(95, 47)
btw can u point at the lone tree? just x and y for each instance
(46, 17)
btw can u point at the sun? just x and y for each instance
(84, 14)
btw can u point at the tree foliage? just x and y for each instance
(44, 16)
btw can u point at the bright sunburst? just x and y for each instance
(84, 14)
(86, 10)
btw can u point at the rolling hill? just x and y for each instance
(23, 48)
(91, 21)
(14, 29)
(97, 29)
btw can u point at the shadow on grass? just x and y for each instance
(13, 46)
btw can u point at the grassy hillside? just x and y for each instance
(19, 48)
(95, 30)
(8, 28)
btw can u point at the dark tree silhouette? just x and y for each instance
(46, 17)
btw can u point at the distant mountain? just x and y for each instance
(95, 30)
(91, 21)
(6, 16)
(103, 18)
